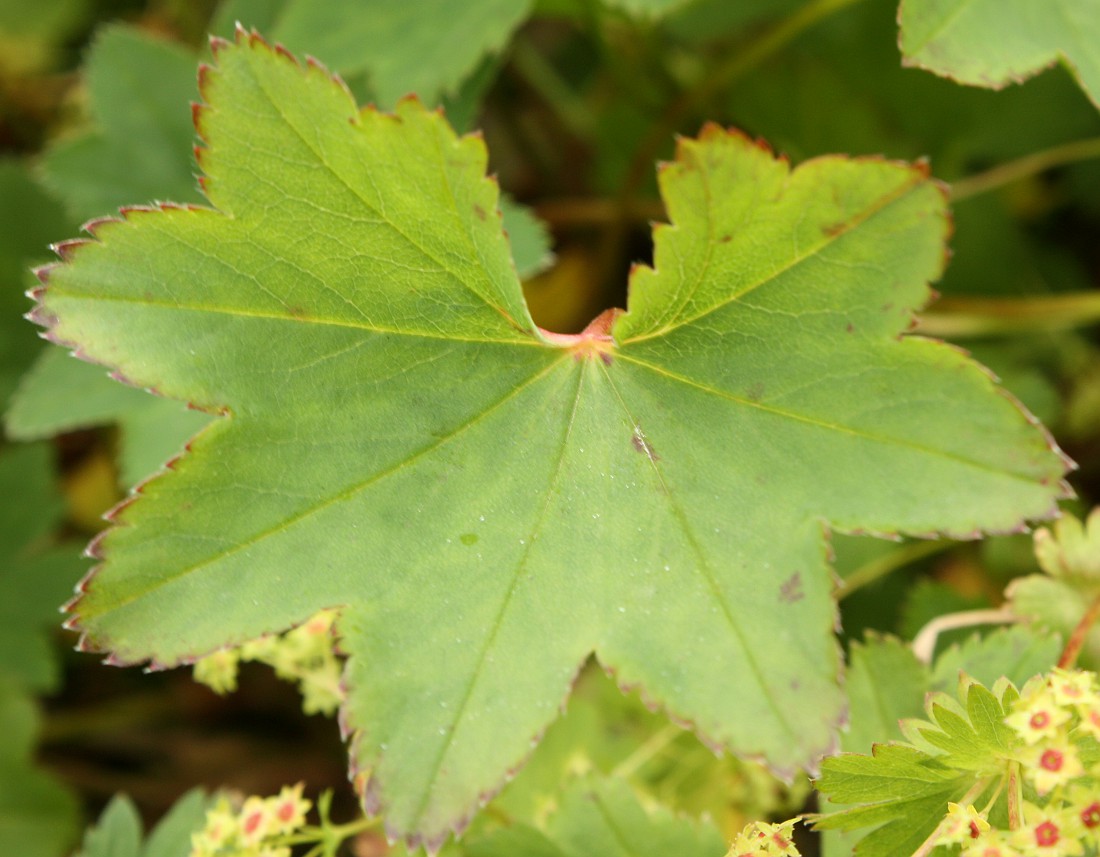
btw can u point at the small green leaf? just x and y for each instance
(29, 220)
(391, 40)
(132, 156)
(885, 683)
(1058, 600)
(36, 576)
(494, 503)
(117, 833)
(902, 791)
(38, 816)
(60, 394)
(996, 42)
(603, 816)
(1071, 549)
(1016, 653)
(172, 835)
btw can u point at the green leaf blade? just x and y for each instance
(490, 503)
(996, 42)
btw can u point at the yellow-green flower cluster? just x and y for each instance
(305, 655)
(761, 838)
(259, 827)
(1057, 719)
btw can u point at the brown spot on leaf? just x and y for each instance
(641, 444)
(297, 311)
(832, 230)
(725, 239)
(755, 392)
(480, 212)
(851, 328)
(790, 590)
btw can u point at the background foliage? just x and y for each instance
(577, 100)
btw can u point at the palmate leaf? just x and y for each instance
(997, 42)
(491, 502)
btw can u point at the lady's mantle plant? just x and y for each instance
(487, 502)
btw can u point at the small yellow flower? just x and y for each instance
(762, 838)
(288, 809)
(964, 824)
(992, 843)
(1049, 831)
(256, 820)
(1072, 687)
(1037, 717)
(1051, 764)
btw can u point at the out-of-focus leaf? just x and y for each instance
(60, 394)
(529, 238)
(885, 683)
(997, 42)
(38, 817)
(29, 220)
(140, 88)
(647, 8)
(1016, 653)
(603, 816)
(118, 832)
(36, 577)
(32, 34)
(427, 48)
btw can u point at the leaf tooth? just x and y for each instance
(218, 44)
(93, 226)
(94, 550)
(65, 249)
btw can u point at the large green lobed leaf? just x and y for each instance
(997, 42)
(493, 503)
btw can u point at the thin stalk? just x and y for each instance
(1015, 796)
(976, 316)
(972, 794)
(648, 750)
(1080, 633)
(881, 566)
(1029, 165)
(542, 77)
(924, 644)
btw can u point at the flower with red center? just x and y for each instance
(1050, 831)
(288, 809)
(1036, 717)
(255, 820)
(1057, 763)
(1072, 687)
(964, 824)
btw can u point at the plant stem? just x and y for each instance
(971, 795)
(650, 748)
(1015, 795)
(1080, 633)
(976, 316)
(1028, 165)
(542, 77)
(881, 566)
(924, 644)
